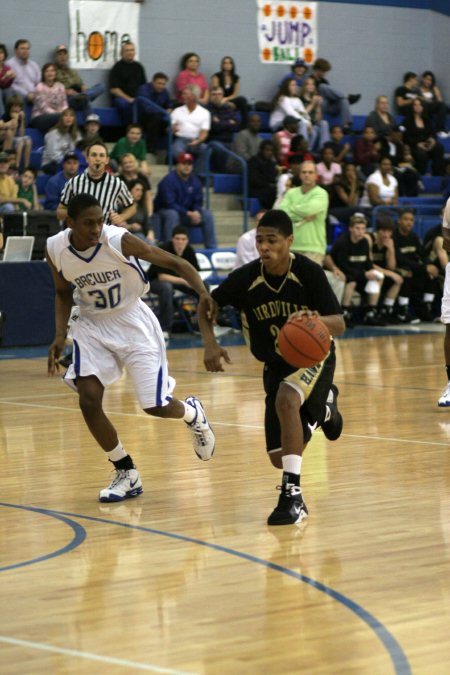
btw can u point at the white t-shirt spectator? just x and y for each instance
(386, 192)
(190, 124)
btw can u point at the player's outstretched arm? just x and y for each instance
(63, 305)
(214, 353)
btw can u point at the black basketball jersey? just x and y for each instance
(265, 302)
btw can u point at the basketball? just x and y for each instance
(304, 341)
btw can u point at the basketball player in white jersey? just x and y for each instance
(116, 329)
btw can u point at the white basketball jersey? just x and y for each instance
(105, 280)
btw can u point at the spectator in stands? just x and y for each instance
(179, 201)
(191, 123)
(380, 119)
(282, 139)
(307, 207)
(59, 140)
(380, 187)
(14, 122)
(340, 147)
(419, 135)
(153, 122)
(163, 282)
(228, 80)
(79, 95)
(8, 188)
(366, 153)
(289, 178)
(139, 223)
(246, 142)
(433, 244)
(334, 102)
(56, 183)
(125, 78)
(328, 171)
(320, 131)
(346, 194)
(7, 76)
(407, 93)
(91, 131)
(246, 250)
(28, 73)
(431, 96)
(420, 277)
(382, 253)
(49, 100)
(129, 173)
(191, 76)
(288, 102)
(298, 73)
(132, 143)
(27, 191)
(404, 169)
(263, 174)
(224, 124)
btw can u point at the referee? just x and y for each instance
(109, 190)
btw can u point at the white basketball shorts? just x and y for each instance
(445, 306)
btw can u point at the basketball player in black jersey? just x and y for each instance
(266, 292)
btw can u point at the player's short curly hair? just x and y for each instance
(277, 219)
(80, 202)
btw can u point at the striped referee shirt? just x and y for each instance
(110, 191)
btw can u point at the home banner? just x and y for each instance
(97, 30)
(287, 31)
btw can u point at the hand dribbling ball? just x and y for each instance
(304, 341)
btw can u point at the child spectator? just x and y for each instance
(132, 143)
(340, 148)
(27, 191)
(282, 139)
(14, 120)
(328, 170)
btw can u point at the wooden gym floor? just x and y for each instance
(188, 578)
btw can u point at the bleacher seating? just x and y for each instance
(109, 117)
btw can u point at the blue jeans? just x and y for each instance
(124, 109)
(170, 218)
(335, 103)
(181, 144)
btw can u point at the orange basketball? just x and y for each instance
(304, 341)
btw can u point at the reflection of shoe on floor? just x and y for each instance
(125, 484)
(203, 437)
(444, 400)
(291, 508)
(353, 98)
(332, 427)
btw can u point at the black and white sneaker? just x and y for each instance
(125, 484)
(291, 508)
(203, 438)
(332, 426)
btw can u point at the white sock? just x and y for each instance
(189, 412)
(402, 301)
(428, 297)
(116, 453)
(292, 464)
(389, 302)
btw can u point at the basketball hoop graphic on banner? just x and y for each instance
(287, 31)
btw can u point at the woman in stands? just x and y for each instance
(140, 224)
(49, 100)
(434, 102)
(287, 102)
(228, 80)
(348, 189)
(190, 74)
(381, 119)
(420, 137)
(320, 133)
(381, 188)
(129, 173)
(59, 140)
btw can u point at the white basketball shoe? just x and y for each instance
(125, 484)
(203, 437)
(444, 400)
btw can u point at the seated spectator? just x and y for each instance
(153, 123)
(27, 191)
(404, 168)
(334, 102)
(349, 259)
(27, 72)
(228, 80)
(432, 98)
(407, 93)
(298, 73)
(246, 250)
(380, 119)
(320, 131)
(163, 282)
(55, 184)
(263, 175)
(8, 188)
(344, 201)
(140, 224)
(79, 95)
(380, 187)
(288, 102)
(132, 143)
(420, 277)
(246, 142)
(291, 177)
(433, 244)
(282, 139)
(299, 146)
(340, 148)
(7, 76)
(224, 123)
(129, 173)
(49, 100)
(125, 78)
(90, 134)
(366, 153)
(191, 76)
(328, 171)
(59, 140)
(14, 122)
(179, 201)
(382, 252)
(191, 124)
(420, 137)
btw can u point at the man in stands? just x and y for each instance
(153, 123)
(56, 183)
(125, 78)
(28, 73)
(78, 94)
(191, 123)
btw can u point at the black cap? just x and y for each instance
(70, 155)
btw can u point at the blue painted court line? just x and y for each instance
(398, 657)
(78, 538)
